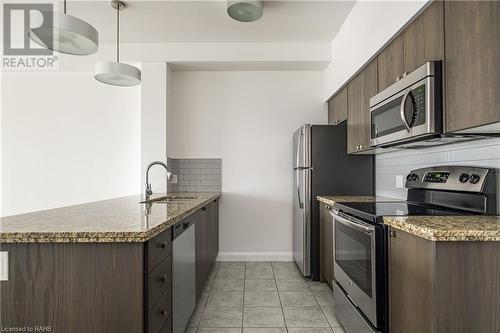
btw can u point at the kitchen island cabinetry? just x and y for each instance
(207, 243)
(114, 276)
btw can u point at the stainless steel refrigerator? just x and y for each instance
(321, 166)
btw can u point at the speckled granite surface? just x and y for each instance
(449, 228)
(116, 220)
(330, 200)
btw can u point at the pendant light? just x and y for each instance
(245, 10)
(117, 73)
(66, 34)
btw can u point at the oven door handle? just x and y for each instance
(364, 227)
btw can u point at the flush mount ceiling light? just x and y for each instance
(66, 34)
(117, 73)
(245, 11)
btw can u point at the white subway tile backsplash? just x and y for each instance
(484, 153)
(196, 174)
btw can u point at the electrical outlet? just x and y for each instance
(174, 180)
(399, 181)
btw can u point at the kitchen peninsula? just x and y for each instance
(104, 266)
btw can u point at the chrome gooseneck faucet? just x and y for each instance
(147, 190)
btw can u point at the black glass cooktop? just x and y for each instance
(376, 210)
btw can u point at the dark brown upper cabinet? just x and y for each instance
(420, 42)
(337, 108)
(424, 38)
(472, 68)
(359, 92)
(390, 63)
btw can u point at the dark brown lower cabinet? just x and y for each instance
(326, 243)
(207, 243)
(443, 286)
(74, 287)
(99, 287)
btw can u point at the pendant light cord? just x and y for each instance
(118, 32)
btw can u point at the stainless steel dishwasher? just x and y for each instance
(183, 273)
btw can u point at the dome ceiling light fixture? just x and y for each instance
(117, 73)
(66, 34)
(245, 10)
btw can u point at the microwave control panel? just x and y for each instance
(415, 106)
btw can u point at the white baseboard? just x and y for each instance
(255, 256)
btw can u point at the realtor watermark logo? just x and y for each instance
(20, 53)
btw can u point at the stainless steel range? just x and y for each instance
(360, 238)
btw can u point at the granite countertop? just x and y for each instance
(449, 228)
(435, 228)
(115, 220)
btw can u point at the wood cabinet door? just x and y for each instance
(390, 63)
(369, 87)
(354, 121)
(326, 244)
(202, 249)
(337, 108)
(411, 281)
(213, 209)
(74, 287)
(424, 38)
(359, 92)
(472, 70)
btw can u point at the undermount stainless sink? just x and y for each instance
(179, 199)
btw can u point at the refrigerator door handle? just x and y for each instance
(301, 204)
(297, 158)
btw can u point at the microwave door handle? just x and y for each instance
(364, 227)
(402, 110)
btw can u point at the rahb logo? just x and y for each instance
(20, 53)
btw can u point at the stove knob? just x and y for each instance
(414, 177)
(474, 178)
(408, 178)
(463, 178)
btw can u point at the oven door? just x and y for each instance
(355, 262)
(408, 114)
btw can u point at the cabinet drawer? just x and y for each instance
(157, 249)
(159, 282)
(160, 314)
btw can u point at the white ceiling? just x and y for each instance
(207, 21)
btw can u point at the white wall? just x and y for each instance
(66, 139)
(484, 153)
(154, 123)
(247, 119)
(369, 26)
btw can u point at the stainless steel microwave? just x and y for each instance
(409, 110)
